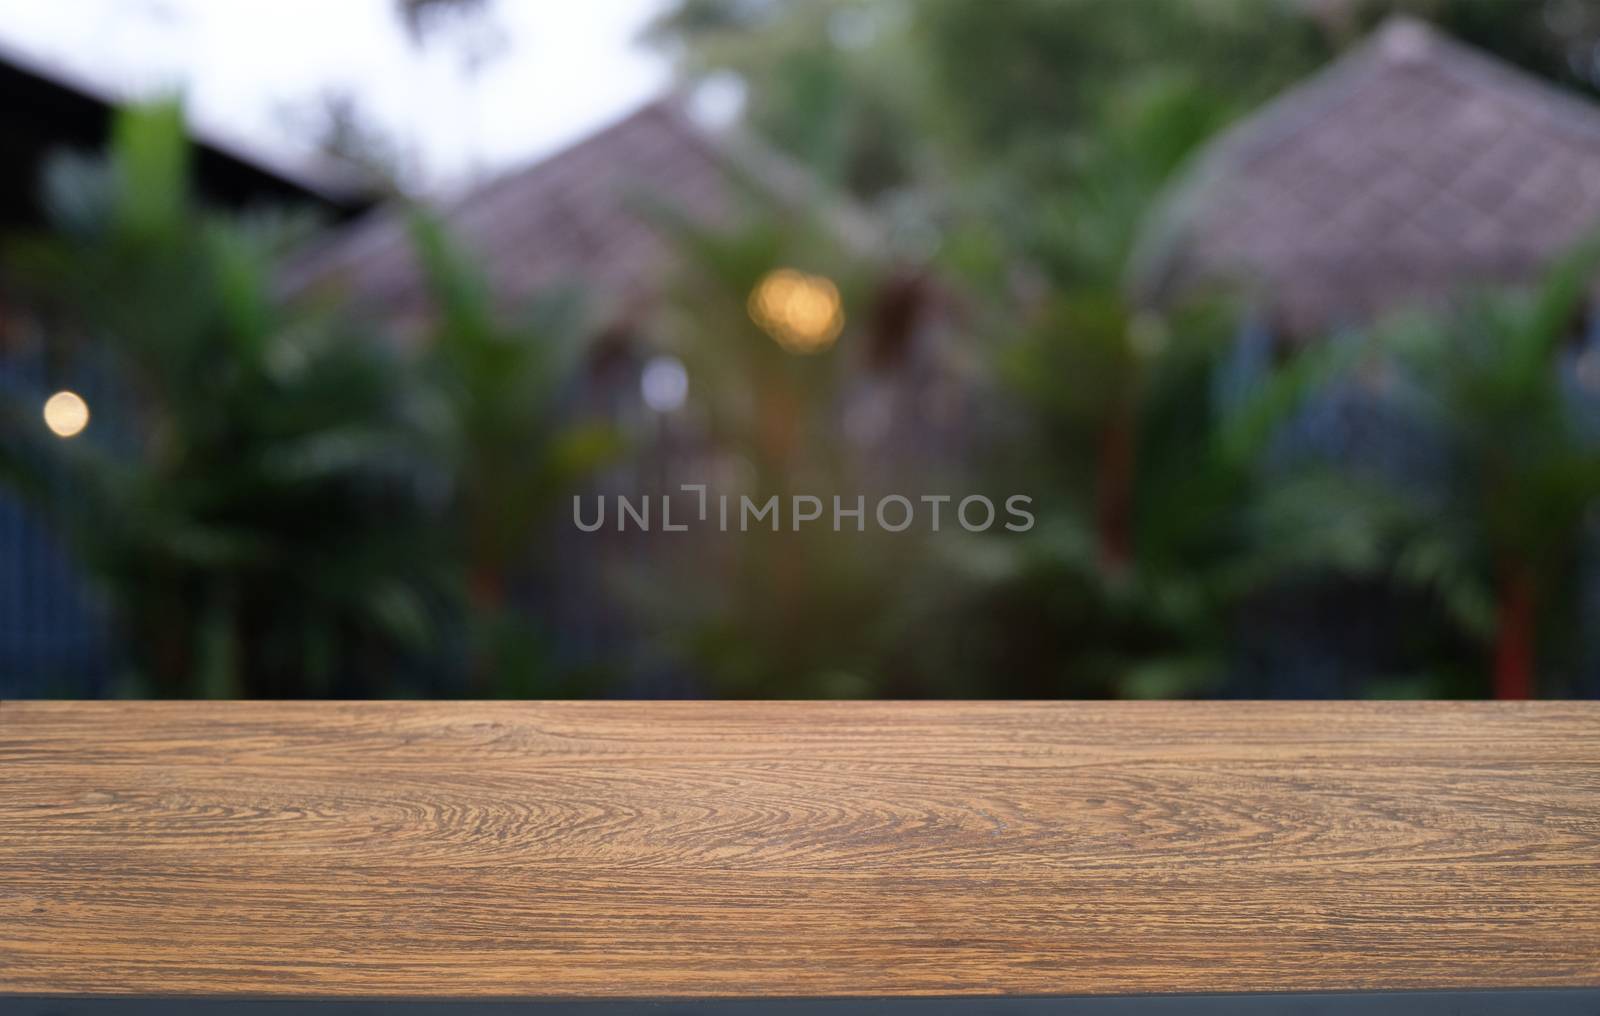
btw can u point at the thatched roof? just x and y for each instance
(585, 216)
(1408, 170)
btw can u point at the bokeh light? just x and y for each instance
(802, 313)
(66, 414)
(664, 384)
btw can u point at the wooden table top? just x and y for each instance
(748, 849)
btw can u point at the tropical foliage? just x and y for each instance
(277, 500)
(283, 496)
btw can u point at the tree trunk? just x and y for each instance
(1514, 635)
(486, 589)
(1114, 491)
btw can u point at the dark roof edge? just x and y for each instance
(346, 192)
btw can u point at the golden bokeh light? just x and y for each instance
(802, 313)
(66, 414)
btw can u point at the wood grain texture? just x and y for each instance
(717, 849)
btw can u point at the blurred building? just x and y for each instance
(599, 218)
(613, 219)
(1412, 172)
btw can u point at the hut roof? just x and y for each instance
(1409, 169)
(579, 217)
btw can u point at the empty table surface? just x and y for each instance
(717, 849)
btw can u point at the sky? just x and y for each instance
(254, 72)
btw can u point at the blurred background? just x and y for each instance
(316, 319)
